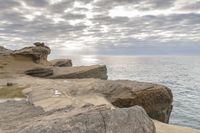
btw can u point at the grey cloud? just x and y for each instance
(85, 1)
(107, 20)
(193, 6)
(159, 4)
(80, 9)
(37, 3)
(8, 4)
(150, 29)
(61, 6)
(73, 16)
(138, 4)
(11, 16)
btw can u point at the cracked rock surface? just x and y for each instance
(25, 118)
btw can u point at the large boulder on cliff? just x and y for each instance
(22, 115)
(94, 120)
(26, 118)
(61, 62)
(155, 99)
(38, 53)
(94, 71)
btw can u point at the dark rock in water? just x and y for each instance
(95, 71)
(61, 63)
(40, 72)
(94, 120)
(38, 53)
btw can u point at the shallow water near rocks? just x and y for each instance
(180, 73)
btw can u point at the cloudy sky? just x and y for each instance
(103, 26)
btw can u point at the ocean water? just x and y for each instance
(180, 73)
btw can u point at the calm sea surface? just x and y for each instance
(180, 73)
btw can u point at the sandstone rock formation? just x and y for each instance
(95, 71)
(33, 61)
(155, 99)
(39, 44)
(19, 116)
(76, 99)
(40, 72)
(96, 120)
(61, 63)
(14, 114)
(38, 53)
(90, 119)
(4, 51)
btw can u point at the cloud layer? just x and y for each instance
(92, 25)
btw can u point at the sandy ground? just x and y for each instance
(166, 128)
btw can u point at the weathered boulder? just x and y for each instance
(99, 119)
(155, 99)
(39, 72)
(14, 114)
(95, 71)
(61, 63)
(18, 116)
(38, 53)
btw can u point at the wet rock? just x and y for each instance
(39, 72)
(61, 63)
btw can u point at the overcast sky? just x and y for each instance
(103, 26)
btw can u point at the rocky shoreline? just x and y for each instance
(62, 98)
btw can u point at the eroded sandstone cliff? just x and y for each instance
(62, 98)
